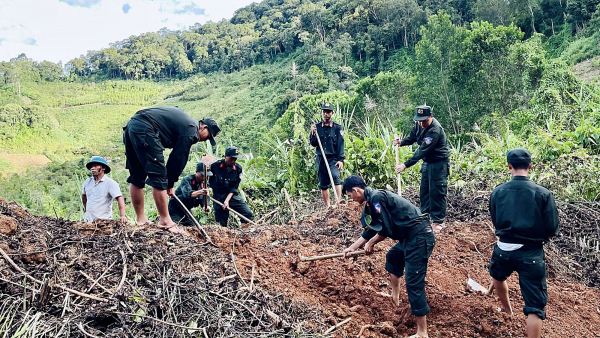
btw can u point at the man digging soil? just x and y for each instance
(146, 136)
(386, 214)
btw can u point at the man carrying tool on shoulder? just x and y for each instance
(227, 175)
(331, 136)
(433, 150)
(192, 193)
(525, 217)
(146, 136)
(384, 215)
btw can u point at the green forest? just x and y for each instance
(498, 75)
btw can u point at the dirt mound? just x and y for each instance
(152, 283)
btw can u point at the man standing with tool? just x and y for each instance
(525, 217)
(192, 193)
(99, 191)
(433, 150)
(331, 137)
(384, 215)
(146, 136)
(225, 182)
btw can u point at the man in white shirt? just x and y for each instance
(99, 191)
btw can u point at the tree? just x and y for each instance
(441, 43)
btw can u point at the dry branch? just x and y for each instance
(158, 320)
(75, 292)
(124, 272)
(337, 325)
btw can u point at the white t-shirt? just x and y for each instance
(509, 246)
(99, 198)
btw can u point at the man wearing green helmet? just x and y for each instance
(99, 191)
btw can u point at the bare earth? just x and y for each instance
(177, 278)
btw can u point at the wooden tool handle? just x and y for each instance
(398, 163)
(337, 198)
(339, 254)
(194, 220)
(235, 212)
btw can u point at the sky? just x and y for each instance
(61, 30)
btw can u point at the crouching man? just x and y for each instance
(384, 215)
(192, 193)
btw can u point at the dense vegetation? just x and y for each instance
(498, 76)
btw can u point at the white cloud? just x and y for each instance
(56, 31)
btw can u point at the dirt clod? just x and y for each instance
(8, 225)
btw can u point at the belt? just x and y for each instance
(423, 228)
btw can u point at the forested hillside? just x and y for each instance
(498, 75)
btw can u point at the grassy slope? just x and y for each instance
(241, 102)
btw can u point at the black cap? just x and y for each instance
(518, 155)
(422, 113)
(366, 221)
(353, 181)
(213, 128)
(327, 106)
(233, 152)
(200, 169)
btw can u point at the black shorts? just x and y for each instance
(236, 203)
(324, 182)
(531, 267)
(413, 255)
(144, 153)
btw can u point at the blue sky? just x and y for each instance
(61, 30)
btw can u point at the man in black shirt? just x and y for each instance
(433, 150)
(332, 140)
(192, 193)
(386, 214)
(225, 182)
(146, 136)
(525, 217)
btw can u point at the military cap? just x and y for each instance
(327, 106)
(213, 128)
(100, 160)
(518, 155)
(200, 169)
(422, 113)
(233, 152)
(366, 221)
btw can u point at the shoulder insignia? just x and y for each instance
(428, 140)
(377, 207)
